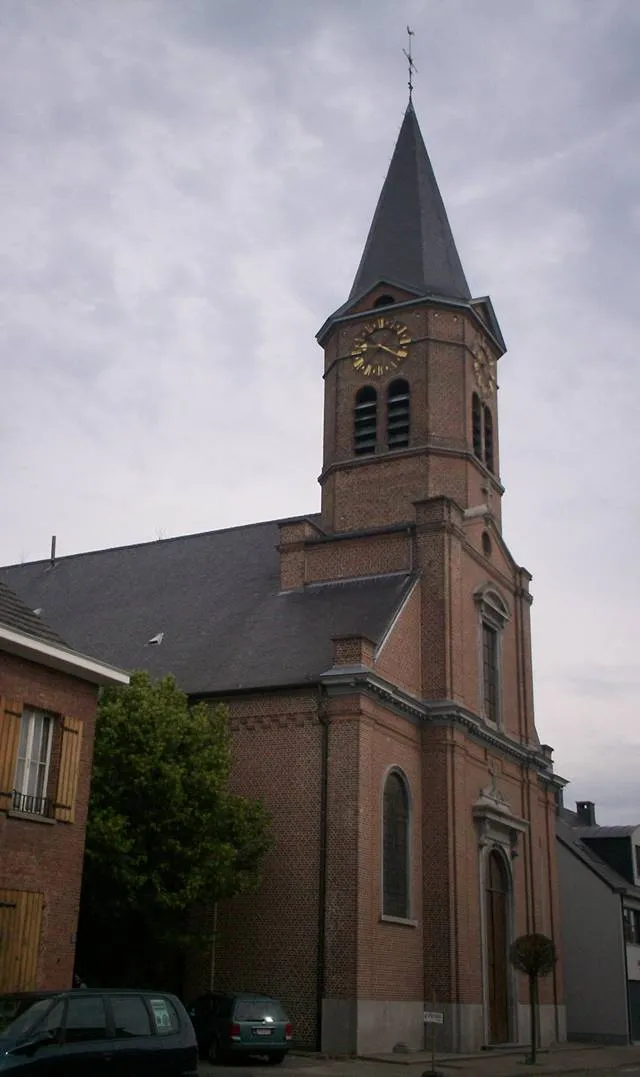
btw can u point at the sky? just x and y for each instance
(185, 191)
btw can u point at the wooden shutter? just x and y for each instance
(65, 806)
(10, 718)
(20, 924)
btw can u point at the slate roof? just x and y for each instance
(606, 831)
(16, 615)
(215, 597)
(410, 242)
(571, 837)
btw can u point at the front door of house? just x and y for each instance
(497, 921)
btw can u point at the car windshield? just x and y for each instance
(257, 1010)
(16, 1028)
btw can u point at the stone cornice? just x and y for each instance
(343, 680)
(430, 447)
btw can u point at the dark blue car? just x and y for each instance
(90, 1033)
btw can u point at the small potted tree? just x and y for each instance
(535, 955)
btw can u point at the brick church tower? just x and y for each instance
(376, 661)
(441, 799)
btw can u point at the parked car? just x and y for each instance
(229, 1025)
(90, 1033)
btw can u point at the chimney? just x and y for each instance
(586, 810)
(53, 551)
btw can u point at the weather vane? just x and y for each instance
(412, 66)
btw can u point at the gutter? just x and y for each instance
(60, 658)
(322, 869)
(626, 972)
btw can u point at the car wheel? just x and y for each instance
(276, 1057)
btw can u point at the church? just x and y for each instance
(375, 657)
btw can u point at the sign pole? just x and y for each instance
(433, 1035)
(434, 1018)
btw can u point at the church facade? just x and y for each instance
(376, 661)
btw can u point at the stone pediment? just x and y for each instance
(495, 822)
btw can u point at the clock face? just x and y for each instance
(380, 347)
(484, 370)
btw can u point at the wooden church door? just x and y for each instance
(497, 920)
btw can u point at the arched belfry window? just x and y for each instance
(395, 847)
(488, 438)
(398, 414)
(476, 425)
(365, 418)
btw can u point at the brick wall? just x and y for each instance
(268, 941)
(47, 857)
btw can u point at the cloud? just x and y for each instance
(186, 190)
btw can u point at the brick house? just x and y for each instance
(376, 660)
(48, 697)
(599, 879)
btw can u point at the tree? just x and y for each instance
(535, 955)
(164, 832)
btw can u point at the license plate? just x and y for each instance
(262, 1031)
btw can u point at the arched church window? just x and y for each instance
(395, 851)
(398, 414)
(488, 438)
(476, 424)
(365, 420)
(493, 616)
(384, 301)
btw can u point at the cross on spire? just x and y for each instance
(412, 66)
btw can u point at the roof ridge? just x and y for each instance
(159, 542)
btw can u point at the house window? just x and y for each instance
(636, 850)
(488, 438)
(493, 615)
(395, 883)
(632, 926)
(476, 423)
(32, 767)
(398, 414)
(365, 421)
(490, 671)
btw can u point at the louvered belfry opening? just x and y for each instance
(488, 439)
(365, 421)
(398, 414)
(476, 424)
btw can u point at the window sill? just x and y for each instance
(397, 920)
(31, 818)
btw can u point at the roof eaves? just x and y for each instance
(61, 658)
(420, 297)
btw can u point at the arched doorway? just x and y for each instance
(497, 923)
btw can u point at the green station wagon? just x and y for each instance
(228, 1025)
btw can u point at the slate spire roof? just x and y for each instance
(410, 242)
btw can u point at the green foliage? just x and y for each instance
(164, 832)
(534, 954)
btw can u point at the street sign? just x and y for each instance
(431, 1018)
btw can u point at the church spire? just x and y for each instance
(410, 242)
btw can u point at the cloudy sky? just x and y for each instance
(186, 187)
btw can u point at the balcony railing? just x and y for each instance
(29, 805)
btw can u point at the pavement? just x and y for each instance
(577, 1059)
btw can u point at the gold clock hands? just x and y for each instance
(399, 355)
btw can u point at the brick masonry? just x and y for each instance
(47, 857)
(319, 757)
